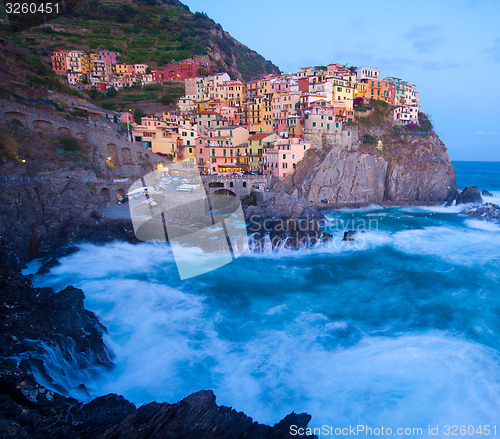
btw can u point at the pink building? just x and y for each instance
(107, 55)
(283, 158)
(126, 118)
(216, 155)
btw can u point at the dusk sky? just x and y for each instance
(449, 49)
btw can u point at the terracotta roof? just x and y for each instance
(260, 136)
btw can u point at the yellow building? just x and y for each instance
(267, 113)
(234, 93)
(86, 63)
(342, 90)
(190, 153)
(258, 144)
(120, 69)
(294, 123)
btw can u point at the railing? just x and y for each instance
(31, 179)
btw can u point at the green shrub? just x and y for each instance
(138, 114)
(111, 92)
(370, 139)
(249, 200)
(8, 145)
(68, 143)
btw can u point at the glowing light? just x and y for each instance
(109, 158)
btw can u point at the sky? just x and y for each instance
(449, 48)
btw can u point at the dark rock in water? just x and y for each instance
(38, 320)
(452, 197)
(469, 195)
(487, 211)
(53, 260)
(284, 221)
(487, 193)
(283, 205)
(349, 235)
(34, 319)
(27, 410)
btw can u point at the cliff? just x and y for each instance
(368, 163)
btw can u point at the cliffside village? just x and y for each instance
(226, 126)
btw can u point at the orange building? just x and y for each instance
(375, 89)
(59, 63)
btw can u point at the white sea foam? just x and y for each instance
(453, 244)
(270, 352)
(487, 226)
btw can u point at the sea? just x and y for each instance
(399, 328)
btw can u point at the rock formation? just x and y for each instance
(469, 195)
(398, 168)
(486, 211)
(284, 221)
(38, 320)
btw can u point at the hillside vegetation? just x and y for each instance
(146, 31)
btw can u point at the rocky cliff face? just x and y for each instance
(36, 219)
(402, 168)
(40, 325)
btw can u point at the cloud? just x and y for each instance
(424, 38)
(486, 133)
(438, 65)
(494, 51)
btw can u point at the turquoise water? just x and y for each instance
(399, 328)
(484, 175)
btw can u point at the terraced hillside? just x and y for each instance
(146, 31)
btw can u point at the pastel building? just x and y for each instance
(74, 61)
(258, 144)
(102, 70)
(59, 62)
(185, 68)
(107, 55)
(283, 158)
(406, 114)
(216, 155)
(207, 120)
(367, 73)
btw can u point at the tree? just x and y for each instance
(111, 92)
(138, 114)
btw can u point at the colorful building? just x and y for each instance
(186, 68)
(282, 160)
(59, 62)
